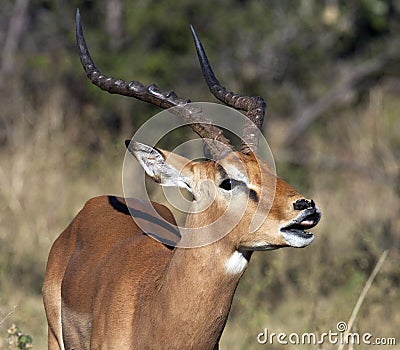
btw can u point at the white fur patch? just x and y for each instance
(236, 263)
(60, 338)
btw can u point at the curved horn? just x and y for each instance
(254, 106)
(152, 94)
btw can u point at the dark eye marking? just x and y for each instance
(253, 196)
(229, 184)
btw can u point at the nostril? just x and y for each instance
(302, 204)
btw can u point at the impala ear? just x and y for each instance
(165, 168)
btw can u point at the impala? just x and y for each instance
(109, 285)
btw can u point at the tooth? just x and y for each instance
(307, 222)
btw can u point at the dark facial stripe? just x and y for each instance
(253, 196)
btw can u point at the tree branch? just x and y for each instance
(338, 94)
(15, 30)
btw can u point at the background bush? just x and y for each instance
(329, 71)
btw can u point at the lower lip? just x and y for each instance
(297, 238)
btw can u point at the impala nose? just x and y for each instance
(302, 204)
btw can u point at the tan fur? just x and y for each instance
(114, 287)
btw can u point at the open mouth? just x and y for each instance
(295, 233)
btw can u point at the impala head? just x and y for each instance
(262, 211)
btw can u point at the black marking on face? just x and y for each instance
(229, 184)
(253, 196)
(302, 204)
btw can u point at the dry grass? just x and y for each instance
(352, 173)
(44, 181)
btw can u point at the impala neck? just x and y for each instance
(198, 289)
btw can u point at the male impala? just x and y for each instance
(109, 285)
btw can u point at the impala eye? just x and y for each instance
(229, 184)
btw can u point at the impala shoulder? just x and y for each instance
(105, 203)
(164, 212)
(97, 202)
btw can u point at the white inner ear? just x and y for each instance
(157, 167)
(172, 177)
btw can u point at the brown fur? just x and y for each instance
(114, 287)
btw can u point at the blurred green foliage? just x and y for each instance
(18, 339)
(329, 71)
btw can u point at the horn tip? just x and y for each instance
(192, 29)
